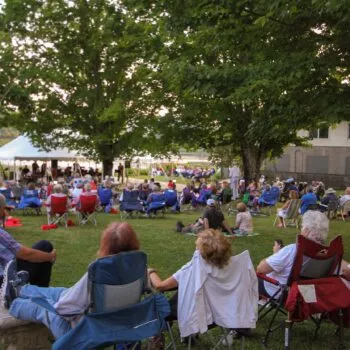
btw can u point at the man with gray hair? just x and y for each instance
(278, 266)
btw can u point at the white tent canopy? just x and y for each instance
(22, 148)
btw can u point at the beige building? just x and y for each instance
(327, 160)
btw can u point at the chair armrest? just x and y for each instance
(268, 279)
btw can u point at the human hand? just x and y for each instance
(53, 256)
(346, 272)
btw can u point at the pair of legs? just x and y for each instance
(25, 309)
(39, 273)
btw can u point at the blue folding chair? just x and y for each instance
(30, 202)
(130, 203)
(116, 314)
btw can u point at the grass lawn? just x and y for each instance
(168, 251)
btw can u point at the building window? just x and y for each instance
(321, 133)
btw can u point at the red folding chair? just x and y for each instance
(87, 209)
(310, 289)
(58, 211)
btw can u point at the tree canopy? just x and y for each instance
(248, 75)
(241, 77)
(83, 75)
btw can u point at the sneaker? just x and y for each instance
(7, 291)
(179, 226)
(22, 277)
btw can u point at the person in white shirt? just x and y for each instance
(278, 266)
(234, 173)
(213, 287)
(345, 197)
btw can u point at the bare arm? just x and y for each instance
(206, 223)
(264, 267)
(35, 255)
(158, 284)
(345, 269)
(226, 226)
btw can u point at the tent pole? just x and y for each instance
(14, 170)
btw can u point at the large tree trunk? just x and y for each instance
(107, 165)
(252, 160)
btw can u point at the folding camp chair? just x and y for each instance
(292, 214)
(30, 202)
(130, 203)
(58, 211)
(344, 210)
(332, 208)
(116, 314)
(240, 282)
(314, 266)
(87, 209)
(106, 196)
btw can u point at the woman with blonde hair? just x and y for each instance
(117, 237)
(213, 287)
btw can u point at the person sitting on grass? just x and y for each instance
(117, 237)
(315, 226)
(212, 218)
(226, 193)
(244, 221)
(282, 213)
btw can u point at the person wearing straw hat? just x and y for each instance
(329, 197)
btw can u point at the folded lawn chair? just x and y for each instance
(87, 209)
(208, 298)
(313, 287)
(116, 314)
(292, 214)
(58, 210)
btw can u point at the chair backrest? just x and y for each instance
(346, 206)
(131, 197)
(87, 203)
(6, 193)
(30, 193)
(117, 281)
(333, 204)
(105, 195)
(171, 197)
(293, 209)
(314, 260)
(58, 204)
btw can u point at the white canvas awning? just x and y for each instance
(22, 148)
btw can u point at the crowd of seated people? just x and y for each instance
(148, 198)
(213, 251)
(194, 173)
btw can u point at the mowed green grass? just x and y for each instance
(168, 251)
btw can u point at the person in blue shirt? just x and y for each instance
(307, 199)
